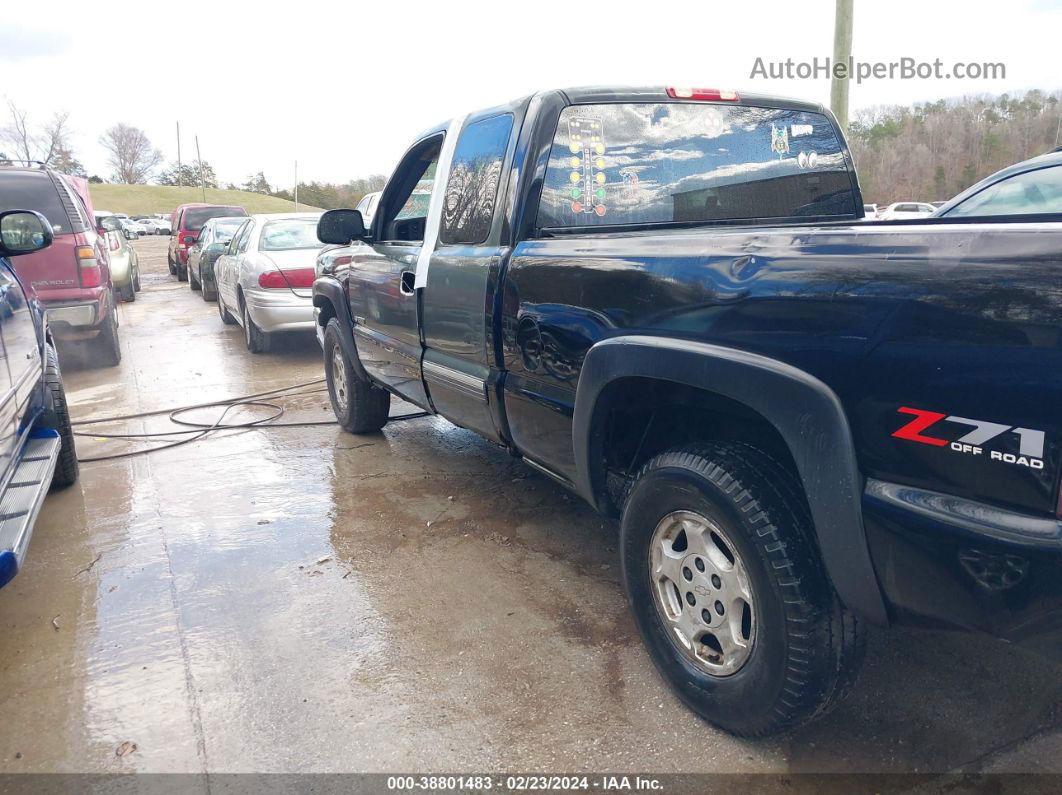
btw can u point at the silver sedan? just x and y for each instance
(265, 275)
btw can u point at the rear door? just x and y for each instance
(380, 288)
(459, 357)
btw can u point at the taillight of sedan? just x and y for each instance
(295, 278)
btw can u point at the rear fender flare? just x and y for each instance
(805, 412)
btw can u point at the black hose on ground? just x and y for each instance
(199, 430)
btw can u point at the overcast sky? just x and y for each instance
(343, 87)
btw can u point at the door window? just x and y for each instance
(472, 188)
(407, 205)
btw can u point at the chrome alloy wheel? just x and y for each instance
(702, 592)
(339, 378)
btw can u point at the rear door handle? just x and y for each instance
(409, 278)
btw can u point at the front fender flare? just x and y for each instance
(805, 412)
(332, 291)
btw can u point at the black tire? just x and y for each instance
(209, 293)
(170, 265)
(127, 292)
(182, 272)
(360, 406)
(136, 279)
(193, 281)
(805, 648)
(58, 419)
(108, 347)
(226, 316)
(257, 340)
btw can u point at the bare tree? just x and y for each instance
(130, 153)
(51, 145)
(17, 134)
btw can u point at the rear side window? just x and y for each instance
(195, 217)
(29, 190)
(646, 163)
(472, 189)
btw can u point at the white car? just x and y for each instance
(367, 207)
(265, 275)
(135, 227)
(156, 226)
(900, 210)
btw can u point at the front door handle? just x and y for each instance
(409, 278)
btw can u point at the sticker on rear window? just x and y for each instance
(586, 141)
(779, 140)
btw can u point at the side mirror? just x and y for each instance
(339, 227)
(23, 232)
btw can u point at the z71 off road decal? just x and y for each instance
(925, 428)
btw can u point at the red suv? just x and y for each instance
(72, 277)
(187, 222)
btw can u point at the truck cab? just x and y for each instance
(670, 302)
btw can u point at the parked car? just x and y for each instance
(124, 262)
(265, 275)
(803, 425)
(900, 210)
(1032, 187)
(156, 226)
(187, 221)
(870, 211)
(37, 445)
(367, 206)
(71, 277)
(203, 253)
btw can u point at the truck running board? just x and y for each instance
(23, 498)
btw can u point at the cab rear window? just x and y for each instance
(658, 163)
(30, 190)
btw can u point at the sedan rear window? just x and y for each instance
(654, 163)
(28, 190)
(196, 217)
(288, 234)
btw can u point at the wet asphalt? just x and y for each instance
(301, 599)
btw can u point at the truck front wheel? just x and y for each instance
(359, 405)
(729, 592)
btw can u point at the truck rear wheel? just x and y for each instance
(729, 592)
(359, 406)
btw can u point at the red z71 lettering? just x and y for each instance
(923, 419)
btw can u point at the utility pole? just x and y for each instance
(842, 51)
(180, 180)
(296, 186)
(202, 182)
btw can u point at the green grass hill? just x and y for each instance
(145, 199)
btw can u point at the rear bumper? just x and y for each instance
(280, 310)
(22, 500)
(75, 310)
(948, 562)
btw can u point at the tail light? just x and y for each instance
(113, 244)
(295, 278)
(709, 94)
(88, 267)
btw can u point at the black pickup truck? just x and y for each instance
(668, 301)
